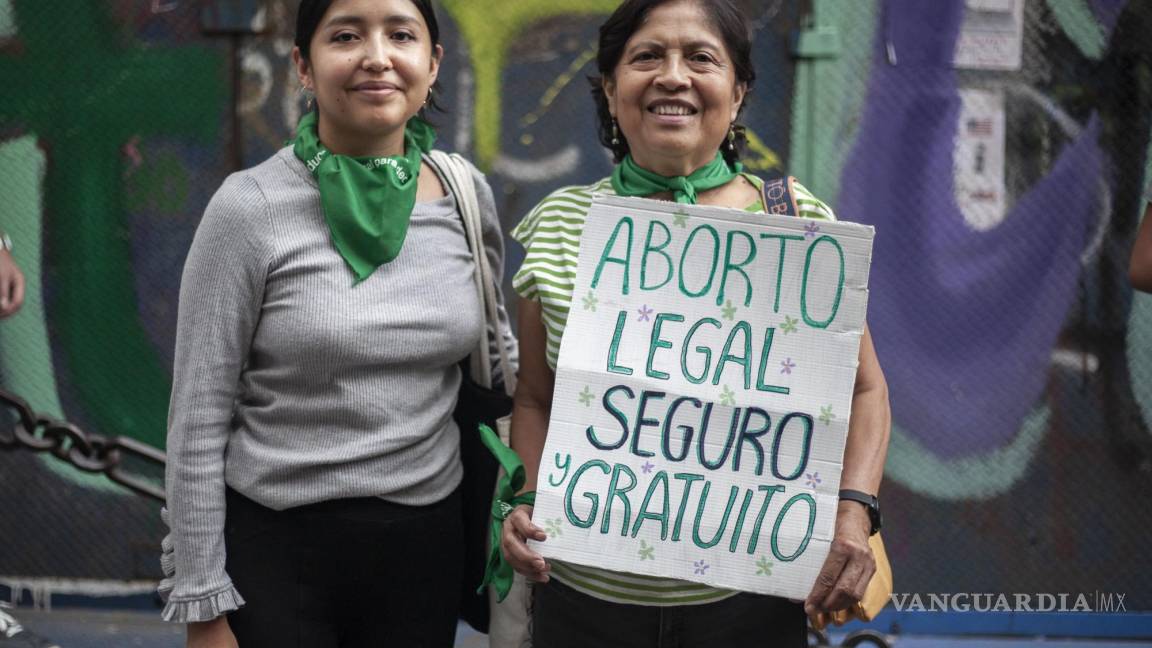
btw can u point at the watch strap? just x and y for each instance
(870, 502)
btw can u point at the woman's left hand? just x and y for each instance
(11, 285)
(849, 566)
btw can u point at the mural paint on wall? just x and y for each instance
(829, 96)
(1015, 516)
(164, 178)
(25, 352)
(1139, 359)
(977, 477)
(100, 349)
(938, 280)
(488, 39)
(155, 23)
(549, 135)
(270, 101)
(8, 27)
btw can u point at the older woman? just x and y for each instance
(313, 466)
(675, 74)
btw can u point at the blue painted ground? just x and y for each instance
(88, 628)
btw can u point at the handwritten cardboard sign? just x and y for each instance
(702, 394)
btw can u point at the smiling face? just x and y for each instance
(372, 64)
(674, 91)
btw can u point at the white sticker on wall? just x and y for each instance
(979, 159)
(991, 36)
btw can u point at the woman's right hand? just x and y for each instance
(518, 528)
(211, 634)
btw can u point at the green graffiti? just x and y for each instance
(25, 349)
(828, 94)
(25, 353)
(161, 185)
(1075, 17)
(1139, 359)
(489, 32)
(8, 27)
(975, 477)
(549, 97)
(84, 114)
(760, 157)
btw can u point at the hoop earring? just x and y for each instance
(615, 133)
(732, 137)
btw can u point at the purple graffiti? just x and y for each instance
(965, 321)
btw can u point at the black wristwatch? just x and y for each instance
(870, 502)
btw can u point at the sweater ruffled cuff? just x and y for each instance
(204, 608)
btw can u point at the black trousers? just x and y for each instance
(565, 618)
(345, 573)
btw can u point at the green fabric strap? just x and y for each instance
(630, 179)
(367, 200)
(498, 573)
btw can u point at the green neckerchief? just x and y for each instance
(630, 179)
(498, 573)
(367, 200)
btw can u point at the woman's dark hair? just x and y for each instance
(728, 20)
(310, 12)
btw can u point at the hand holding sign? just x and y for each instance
(849, 566)
(518, 528)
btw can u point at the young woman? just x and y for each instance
(313, 463)
(675, 74)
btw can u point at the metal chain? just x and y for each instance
(93, 453)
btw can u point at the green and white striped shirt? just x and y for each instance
(550, 234)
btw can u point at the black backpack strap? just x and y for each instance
(779, 197)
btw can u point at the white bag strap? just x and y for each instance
(480, 361)
(454, 169)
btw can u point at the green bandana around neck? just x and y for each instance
(630, 179)
(367, 200)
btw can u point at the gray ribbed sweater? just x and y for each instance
(294, 386)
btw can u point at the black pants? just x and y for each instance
(565, 618)
(345, 573)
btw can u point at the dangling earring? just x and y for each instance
(615, 133)
(732, 137)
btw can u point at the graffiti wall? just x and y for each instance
(1005, 192)
(1005, 195)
